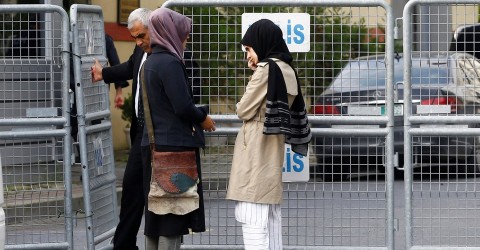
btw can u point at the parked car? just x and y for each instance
(466, 38)
(448, 81)
(2, 213)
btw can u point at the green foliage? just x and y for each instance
(215, 41)
(127, 110)
(336, 40)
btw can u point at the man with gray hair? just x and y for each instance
(133, 201)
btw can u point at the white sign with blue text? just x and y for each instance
(295, 27)
(296, 167)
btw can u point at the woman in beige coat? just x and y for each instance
(269, 121)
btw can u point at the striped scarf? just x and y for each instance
(279, 118)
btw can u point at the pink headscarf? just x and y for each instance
(169, 29)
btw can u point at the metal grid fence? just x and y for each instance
(441, 125)
(347, 202)
(346, 212)
(35, 134)
(95, 135)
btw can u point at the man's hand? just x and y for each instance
(96, 71)
(119, 101)
(208, 124)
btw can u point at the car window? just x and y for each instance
(430, 71)
(434, 75)
(361, 74)
(368, 74)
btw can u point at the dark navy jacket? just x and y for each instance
(175, 117)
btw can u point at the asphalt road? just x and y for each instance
(347, 213)
(352, 213)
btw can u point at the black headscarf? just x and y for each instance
(266, 39)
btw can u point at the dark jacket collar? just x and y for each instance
(159, 49)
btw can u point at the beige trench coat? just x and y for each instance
(256, 174)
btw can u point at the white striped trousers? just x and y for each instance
(261, 225)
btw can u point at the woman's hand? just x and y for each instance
(208, 124)
(252, 65)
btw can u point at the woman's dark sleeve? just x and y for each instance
(176, 87)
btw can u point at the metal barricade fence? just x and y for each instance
(441, 125)
(94, 126)
(347, 203)
(348, 213)
(35, 144)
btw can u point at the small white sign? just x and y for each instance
(98, 155)
(359, 110)
(295, 27)
(434, 109)
(296, 167)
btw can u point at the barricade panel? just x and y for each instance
(95, 135)
(441, 114)
(34, 191)
(320, 213)
(35, 134)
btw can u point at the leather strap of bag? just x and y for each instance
(146, 111)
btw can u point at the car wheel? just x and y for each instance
(333, 173)
(328, 171)
(471, 165)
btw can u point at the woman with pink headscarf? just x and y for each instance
(178, 124)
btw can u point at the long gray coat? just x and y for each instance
(256, 174)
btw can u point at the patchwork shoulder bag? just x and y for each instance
(173, 184)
